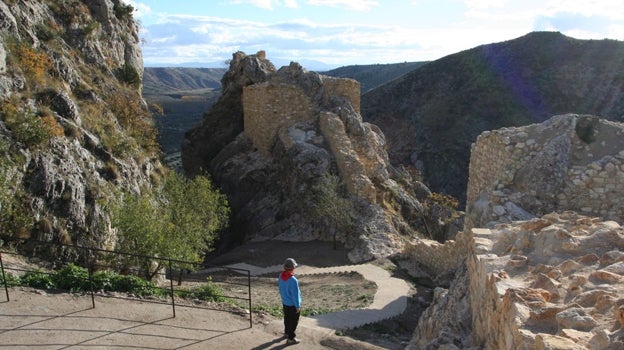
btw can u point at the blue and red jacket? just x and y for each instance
(289, 289)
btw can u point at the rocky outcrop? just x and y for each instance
(552, 282)
(570, 162)
(532, 279)
(290, 149)
(70, 71)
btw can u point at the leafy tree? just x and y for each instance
(180, 221)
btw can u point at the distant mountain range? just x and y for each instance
(164, 80)
(432, 115)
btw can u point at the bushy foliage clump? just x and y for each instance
(129, 75)
(28, 127)
(179, 220)
(35, 63)
(123, 11)
(76, 279)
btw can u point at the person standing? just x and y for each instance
(291, 299)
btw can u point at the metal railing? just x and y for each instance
(174, 277)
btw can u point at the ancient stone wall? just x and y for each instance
(347, 88)
(569, 162)
(269, 107)
(438, 258)
(282, 102)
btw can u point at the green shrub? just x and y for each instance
(103, 280)
(38, 279)
(48, 31)
(586, 128)
(73, 278)
(11, 280)
(129, 75)
(27, 127)
(91, 28)
(134, 284)
(123, 11)
(207, 292)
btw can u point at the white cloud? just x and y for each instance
(192, 38)
(265, 4)
(268, 4)
(358, 5)
(291, 4)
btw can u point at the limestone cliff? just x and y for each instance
(291, 151)
(73, 126)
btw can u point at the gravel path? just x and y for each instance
(390, 298)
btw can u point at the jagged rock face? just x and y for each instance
(570, 162)
(68, 179)
(553, 282)
(275, 138)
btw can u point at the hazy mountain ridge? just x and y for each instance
(371, 76)
(433, 114)
(160, 80)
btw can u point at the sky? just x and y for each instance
(331, 33)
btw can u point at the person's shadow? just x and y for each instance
(273, 344)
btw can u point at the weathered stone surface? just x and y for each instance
(576, 318)
(555, 301)
(619, 313)
(553, 342)
(560, 169)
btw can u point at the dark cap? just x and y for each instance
(290, 264)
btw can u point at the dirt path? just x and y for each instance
(389, 300)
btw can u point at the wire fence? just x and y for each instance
(176, 282)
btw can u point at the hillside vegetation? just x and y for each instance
(433, 114)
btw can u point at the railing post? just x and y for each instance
(171, 287)
(6, 287)
(90, 270)
(249, 286)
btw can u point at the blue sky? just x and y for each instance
(345, 32)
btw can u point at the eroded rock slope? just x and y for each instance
(73, 126)
(290, 149)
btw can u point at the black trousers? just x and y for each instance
(291, 320)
